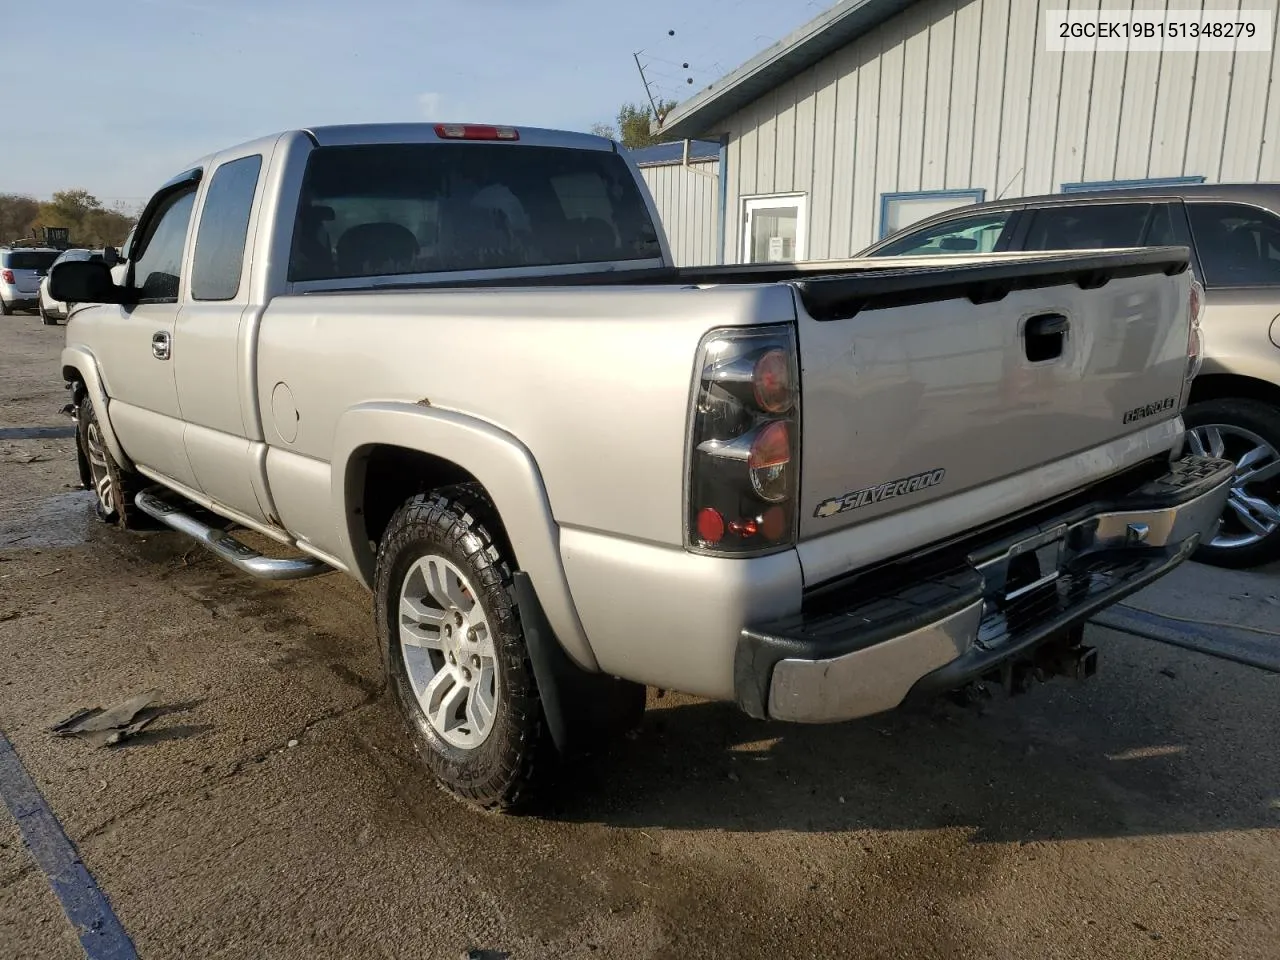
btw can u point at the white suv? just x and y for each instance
(21, 270)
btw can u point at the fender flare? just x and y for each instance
(81, 361)
(498, 460)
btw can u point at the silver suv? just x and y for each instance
(1233, 231)
(21, 270)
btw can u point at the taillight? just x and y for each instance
(744, 443)
(475, 131)
(1195, 336)
(7, 276)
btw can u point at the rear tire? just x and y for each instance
(1247, 432)
(5, 309)
(454, 648)
(113, 486)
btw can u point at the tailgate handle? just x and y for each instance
(1044, 335)
(1047, 324)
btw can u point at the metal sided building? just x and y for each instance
(880, 112)
(684, 179)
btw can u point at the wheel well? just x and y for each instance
(394, 474)
(1220, 386)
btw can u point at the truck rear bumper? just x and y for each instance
(931, 623)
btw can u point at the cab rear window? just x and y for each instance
(379, 210)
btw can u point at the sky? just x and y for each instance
(116, 97)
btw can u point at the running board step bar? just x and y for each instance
(242, 557)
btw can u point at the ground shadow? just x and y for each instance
(1062, 762)
(153, 735)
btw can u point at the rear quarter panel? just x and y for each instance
(594, 382)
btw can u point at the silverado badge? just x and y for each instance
(881, 491)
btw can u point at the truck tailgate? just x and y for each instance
(920, 384)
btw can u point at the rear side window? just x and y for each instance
(976, 234)
(377, 210)
(1239, 245)
(224, 229)
(1087, 226)
(24, 260)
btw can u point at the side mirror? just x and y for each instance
(110, 256)
(84, 281)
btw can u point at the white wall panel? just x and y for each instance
(1209, 111)
(688, 202)
(865, 222)
(1137, 110)
(962, 116)
(961, 94)
(824, 149)
(915, 85)
(845, 167)
(939, 84)
(1106, 94)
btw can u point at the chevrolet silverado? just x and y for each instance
(456, 362)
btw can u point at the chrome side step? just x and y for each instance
(243, 558)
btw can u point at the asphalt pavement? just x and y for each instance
(274, 809)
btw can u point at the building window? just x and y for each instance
(898, 210)
(774, 228)
(1127, 184)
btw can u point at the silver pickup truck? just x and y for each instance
(456, 363)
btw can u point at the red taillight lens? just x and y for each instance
(710, 525)
(7, 276)
(1195, 337)
(745, 432)
(771, 382)
(475, 131)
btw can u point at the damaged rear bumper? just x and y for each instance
(931, 624)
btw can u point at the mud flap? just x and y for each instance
(583, 710)
(72, 410)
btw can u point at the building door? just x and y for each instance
(774, 229)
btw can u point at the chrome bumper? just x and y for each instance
(929, 624)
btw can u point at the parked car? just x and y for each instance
(119, 269)
(51, 311)
(1233, 231)
(21, 269)
(456, 363)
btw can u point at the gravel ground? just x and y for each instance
(1135, 816)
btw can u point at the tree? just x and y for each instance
(17, 213)
(634, 125)
(90, 223)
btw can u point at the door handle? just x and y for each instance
(160, 345)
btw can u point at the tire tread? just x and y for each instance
(462, 516)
